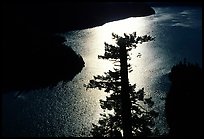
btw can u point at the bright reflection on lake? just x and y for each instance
(69, 109)
(169, 26)
(90, 44)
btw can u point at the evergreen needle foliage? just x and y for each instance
(142, 115)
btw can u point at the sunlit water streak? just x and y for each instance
(69, 109)
(93, 45)
(150, 71)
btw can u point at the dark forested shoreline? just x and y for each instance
(66, 16)
(37, 62)
(32, 56)
(184, 102)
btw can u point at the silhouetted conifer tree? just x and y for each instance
(133, 115)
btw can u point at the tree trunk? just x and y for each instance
(125, 96)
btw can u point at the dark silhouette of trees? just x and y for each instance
(133, 115)
(35, 60)
(184, 107)
(55, 17)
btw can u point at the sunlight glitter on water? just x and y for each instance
(140, 25)
(90, 44)
(144, 69)
(68, 109)
(128, 25)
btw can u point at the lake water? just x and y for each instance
(68, 109)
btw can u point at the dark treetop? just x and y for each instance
(184, 102)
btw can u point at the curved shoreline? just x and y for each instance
(32, 57)
(43, 63)
(66, 16)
